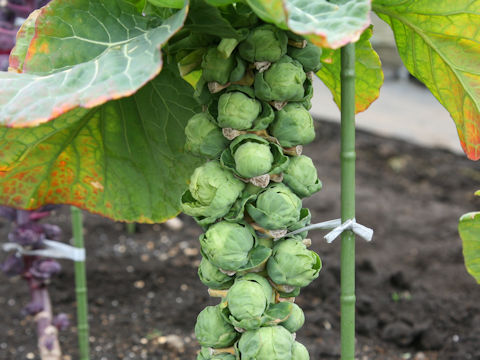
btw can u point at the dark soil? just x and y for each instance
(414, 297)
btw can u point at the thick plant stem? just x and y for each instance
(348, 202)
(80, 287)
(48, 344)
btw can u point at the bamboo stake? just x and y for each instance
(131, 228)
(80, 287)
(347, 262)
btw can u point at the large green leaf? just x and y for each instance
(368, 69)
(469, 229)
(325, 23)
(439, 44)
(123, 159)
(205, 18)
(83, 53)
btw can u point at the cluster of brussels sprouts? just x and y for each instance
(247, 197)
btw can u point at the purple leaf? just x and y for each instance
(61, 321)
(44, 269)
(33, 308)
(52, 232)
(42, 212)
(28, 234)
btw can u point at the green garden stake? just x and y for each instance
(347, 262)
(131, 227)
(80, 286)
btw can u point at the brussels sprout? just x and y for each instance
(296, 319)
(253, 159)
(226, 245)
(292, 264)
(299, 352)
(305, 218)
(205, 354)
(236, 212)
(301, 176)
(212, 277)
(216, 68)
(309, 57)
(212, 330)
(264, 43)
(248, 299)
(283, 81)
(266, 343)
(257, 259)
(265, 118)
(276, 207)
(238, 111)
(250, 155)
(211, 193)
(293, 125)
(291, 294)
(203, 137)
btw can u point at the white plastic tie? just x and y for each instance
(337, 228)
(53, 249)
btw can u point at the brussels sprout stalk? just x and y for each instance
(279, 105)
(298, 44)
(249, 195)
(262, 66)
(274, 234)
(217, 293)
(229, 350)
(294, 150)
(215, 87)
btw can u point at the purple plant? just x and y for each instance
(37, 271)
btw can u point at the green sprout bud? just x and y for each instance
(292, 264)
(301, 176)
(205, 354)
(296, 319)
(216, 68)
(250, 155)
(212, 330)
(211, 276)
(266, 343)
(309, 57)
(203, 137)
(247, 300)
(264, 43)
(226, 245)
(211, 193)
(253, 159)
(293, 125)
(305, 218)
(238, 111)
(283, 81)
(276, 207)
(299, 352)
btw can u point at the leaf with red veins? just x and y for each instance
(123, 159)
(330, 24)
(83, 54)
(439, 46)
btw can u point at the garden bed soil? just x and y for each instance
(414, 297)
